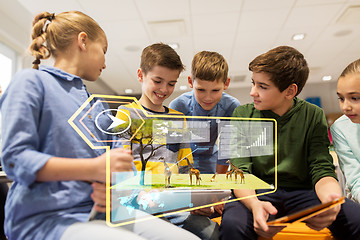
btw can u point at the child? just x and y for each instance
(346, 130)
(51, 165)
(305, 171)
(209, 79)
(159, 70)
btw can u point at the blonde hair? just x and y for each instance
(209, 66)
(353, 67)
(53, 34)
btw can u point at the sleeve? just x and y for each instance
(180, 104)
(21, 109)
(319, 158)
(174, 104)
(232, 107)
(349, 163)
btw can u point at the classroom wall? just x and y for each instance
(15, 36)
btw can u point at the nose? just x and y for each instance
(346, 106)
(207, 96)
(163, 88)
(104, 66)
(253, 92)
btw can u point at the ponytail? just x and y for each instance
(38, 47)
(52, 34)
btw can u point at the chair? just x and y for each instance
(296, 231)
(299, 231)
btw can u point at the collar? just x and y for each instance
(149, 110)
(59, 73)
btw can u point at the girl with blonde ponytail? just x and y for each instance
(55, 173)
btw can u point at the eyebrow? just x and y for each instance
(350, 93)
(160, 78)
(260, 83)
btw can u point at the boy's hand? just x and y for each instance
(326, 218)
(207, 211)
(121, 160)
(219, 208)
(99, 196)
(261, 213)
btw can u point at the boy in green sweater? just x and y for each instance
(306, 174)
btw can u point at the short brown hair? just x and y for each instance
(58, 31)
(352, 68)
(209, 66)
(160, 54)
(285, 65)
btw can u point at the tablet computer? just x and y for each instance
(177, 199)
(171, 200)
(306, 213)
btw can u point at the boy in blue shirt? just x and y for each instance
(209, 78)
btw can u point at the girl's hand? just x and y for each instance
(121, 160)
(99, 196)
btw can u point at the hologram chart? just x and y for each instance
(228, 138)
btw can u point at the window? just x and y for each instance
(7, 65)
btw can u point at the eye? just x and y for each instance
(355, 98)
(171, 84)
(156, 81)
(252, 82)
(341, 99)
(262, 87)
(216, 90)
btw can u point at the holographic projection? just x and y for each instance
(175, 157)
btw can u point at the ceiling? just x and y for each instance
(238, 29)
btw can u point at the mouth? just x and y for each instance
(351, 116)
(161, 96)
(207, 103)
(256, 101)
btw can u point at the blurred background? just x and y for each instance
(327, 32)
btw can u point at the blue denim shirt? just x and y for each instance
(35, 111)
(206, 154)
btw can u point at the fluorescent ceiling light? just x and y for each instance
(326, 78)
(129, 91)
(298, 36)
(183, 87)
(174, 45)
(169, 28)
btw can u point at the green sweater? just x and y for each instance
(303, 147)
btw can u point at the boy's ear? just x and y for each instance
(190, 82)
(227, 83)
(140, 75)
(291, 91)
(82, 40)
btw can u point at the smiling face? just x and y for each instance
(157, 85)
(348, 91)
(208, 93)
(267, 96)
